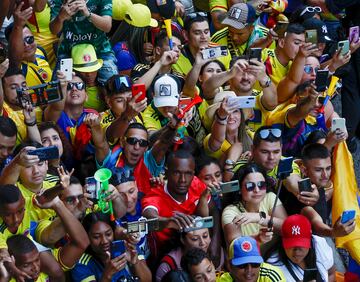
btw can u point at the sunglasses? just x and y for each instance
(309, 69)
(196, 14)
(72, 199)
(78, 85)
(264, 133)
(29, 40)
(250, 186)
(122, 84)
(310, 9)
(133, 141)
(253, 265)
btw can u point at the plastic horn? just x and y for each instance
(193, 102)
(331, 89)
(169, 32)
(103, 175)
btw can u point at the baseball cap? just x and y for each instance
(166, 8)
(320, 26)
(139, 15)
(85, 59)
(166, 91)
(244, 250)
(124, 59)
(120, 8)
(296, 232)
(240, 15)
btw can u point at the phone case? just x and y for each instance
(242, 102)
(321, 80)
(49, 194)
(255, 53)
(201, 223)
(310, 274)
(285, 167)
(136, 89)
(347, 215)
(311, 36)
(117, 248)
(229, 187)
(354, 34)
(305, 185)
(344, 45)
(46, 153)
(66, 66)
(338, 123)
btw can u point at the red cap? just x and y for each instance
(296, 232)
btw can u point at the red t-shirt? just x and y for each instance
(160, 199)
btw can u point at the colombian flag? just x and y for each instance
(345, 198)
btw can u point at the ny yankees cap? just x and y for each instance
(296, 232)
(320, 26)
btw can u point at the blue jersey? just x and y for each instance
(90, 269)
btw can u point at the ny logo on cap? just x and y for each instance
(165, 90)
(235, 13)
(295, 230)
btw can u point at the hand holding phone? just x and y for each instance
(215, 52)
(45, 153)
(117, 248)
(338, 123)
(310, 274)
(347, 216)
(311, 36)
(354, 34)
(136, 89)
(285, 167)
(228, 187)
(201, 223)
(305, 185)
(66, 67)
(49, 194)
(255, 53)
(344, 46)
(242, 102)
(321, 80)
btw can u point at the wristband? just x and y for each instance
(32, 123)
(89, 16)
(219, 118)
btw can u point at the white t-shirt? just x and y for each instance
(324, 261)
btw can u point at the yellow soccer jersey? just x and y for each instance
(37, 72)
(275, 70)
(218, 5)
(223, 38)
(42, 278)
(223, 149)
(18, 118)
(94, 100)
(36, 212)
(256, 117)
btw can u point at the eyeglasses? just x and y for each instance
(264, 133)
(133, 141)
(78, 85)
(309, 69)
(310, 9)
(72, 199)
(250, 186)
(196, 14)
(122, 84)
(253, 265)
(29, 40)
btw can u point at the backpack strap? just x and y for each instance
(170, 261)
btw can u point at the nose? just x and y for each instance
(202, 242)
(182, 178)
(103, 239)
(137, 146)
(213, 178)
(35, 169)
(324, 174)
(35, 268)
(271, 156)
(4, 153)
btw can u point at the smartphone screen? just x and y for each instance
(255, 53)
(92, 188)
(117, 248)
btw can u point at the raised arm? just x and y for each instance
(286, 87)
(33, 133)
(63, 11)
(303, 107)
(3, 68)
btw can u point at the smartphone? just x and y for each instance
(281, 28)
(46, 153)
(242, 102)
(228, 187)
(38, 95)
(143, 225)
(321, 80)
(66, 66)
(49, 194)
(255, 53)
(285, 167)
(311, 36)
(25, 5)
(215, 52)
(3, 53)
(344, 45)
(117, 248)
(201, 223)
(347, 215)
(354, 34)
(304, 185)
(338, 123)
(310, 274)
(183, 102)
(136, 89)
(92, 188)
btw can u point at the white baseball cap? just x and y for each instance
(166, 91)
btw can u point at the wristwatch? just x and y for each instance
(262, 216)
(267, 83)
(229, 162)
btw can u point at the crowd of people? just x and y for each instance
(179, 140)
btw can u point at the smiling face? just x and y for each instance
(243, 82)
(234, 121)
(75, 96)
(245, 273)
(101, 236)
(257, 195)
(209, 71)
(11, 83)
(319, 171)
(133, 153)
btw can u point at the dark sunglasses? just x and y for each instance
(29, 40)
(264, 133)
(71, 199)
(310, 69)
(133, 141)
(250, 186)
(78, 85)
(196, 14)
(253, 265)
